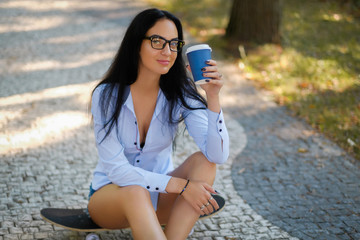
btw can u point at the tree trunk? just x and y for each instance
(255, 21)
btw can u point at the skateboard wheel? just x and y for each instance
(92, 236)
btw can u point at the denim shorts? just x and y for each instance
(91, 191)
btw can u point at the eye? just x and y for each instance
(157, 41)
(174, 44)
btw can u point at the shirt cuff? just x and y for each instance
(216, 122)
(156, 182)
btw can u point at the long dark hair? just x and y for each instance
(124, 71)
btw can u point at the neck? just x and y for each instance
(147, 81)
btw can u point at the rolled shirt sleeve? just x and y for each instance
(209, 131)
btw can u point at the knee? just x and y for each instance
(201, 169)
(112, 193)
(135, 192)
(201, 159)
(201, 166)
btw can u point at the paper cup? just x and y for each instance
(197, 56)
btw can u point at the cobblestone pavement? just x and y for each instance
(292, 175)
(51, 53)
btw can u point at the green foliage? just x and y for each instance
(316, 71)
(201, 18)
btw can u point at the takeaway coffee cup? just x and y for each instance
(197, 56)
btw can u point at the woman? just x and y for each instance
(136, 109)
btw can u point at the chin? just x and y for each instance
(165, 71)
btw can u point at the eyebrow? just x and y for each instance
(157, 35)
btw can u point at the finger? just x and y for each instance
(210, 69)
(214, 203)
(188, 68)
(198, 209)
(207, 209)
(218, 82)
(213, 75)
(211, 62)
(209, 189)
(206, 206)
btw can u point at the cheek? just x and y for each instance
(146, 52)
(143, 56)
(174, 58)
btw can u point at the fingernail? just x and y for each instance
(207, 61)
(217, 192)
(203, 69)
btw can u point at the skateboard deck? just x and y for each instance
(80, 220)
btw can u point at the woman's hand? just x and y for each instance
(197, 194)
(213, 78)
(213, 85)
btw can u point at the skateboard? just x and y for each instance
(79, 219)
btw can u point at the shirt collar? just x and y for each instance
(160, 102)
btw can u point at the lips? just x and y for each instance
(163, 62)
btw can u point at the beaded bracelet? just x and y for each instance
(185, 187)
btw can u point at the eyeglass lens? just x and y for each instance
(159, 43)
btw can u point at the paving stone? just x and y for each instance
(27, 236)
(7, 224)
(249, 237)
(262, 236)
(41, 235)
(4, 231)
(355, 235)
(15, 230)
(10, 237)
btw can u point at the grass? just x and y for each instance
(316, 70)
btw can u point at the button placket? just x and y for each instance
(136, 136)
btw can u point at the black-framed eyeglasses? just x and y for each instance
(158, 42)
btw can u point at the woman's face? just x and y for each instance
(158, 61)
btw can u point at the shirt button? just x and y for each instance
(135, 122)
(137, 161)
(148, 187)
(220, 121)
(135, 143)
(220, 130)
(157, 188)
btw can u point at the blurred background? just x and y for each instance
(307, 53)
(304, 55)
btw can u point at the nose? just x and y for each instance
(166, 50)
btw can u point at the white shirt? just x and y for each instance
(123, 162)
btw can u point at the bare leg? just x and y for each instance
(115, 207)
(174, 210)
